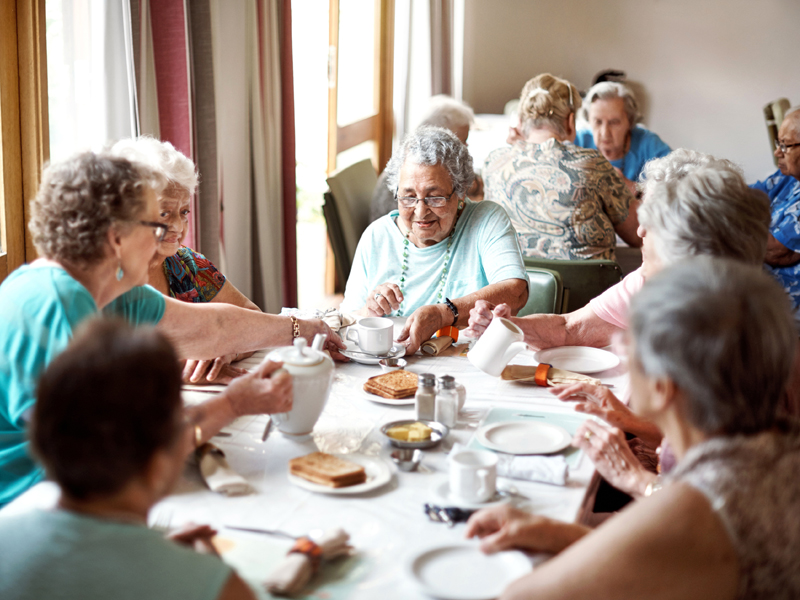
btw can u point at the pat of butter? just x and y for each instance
(413, 432)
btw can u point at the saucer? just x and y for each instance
(445, 498)
(354, 353)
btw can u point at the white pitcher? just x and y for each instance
(501, 342)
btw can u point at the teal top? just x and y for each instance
(483, 251)
(40, 307)
(60, 554)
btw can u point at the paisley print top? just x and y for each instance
(192, 277)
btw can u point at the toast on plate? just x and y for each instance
(395, 384)
(326, 469)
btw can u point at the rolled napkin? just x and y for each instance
(543, 469)
(218, 474)
(333, 317)
(444, 338)
(303, 561)
(545, 375)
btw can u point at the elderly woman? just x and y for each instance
(176, 270)
(94, 224)
(710, 347)
(109, 428)
(565, 202)
(438, 253)
(612, 114)
(445, 112)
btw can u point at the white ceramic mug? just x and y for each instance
(501, 342)
(373, 334)
(473, 475)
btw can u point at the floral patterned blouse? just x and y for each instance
(192, 277)
(564, 201)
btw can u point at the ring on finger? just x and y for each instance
(587, 436)
(378, 295)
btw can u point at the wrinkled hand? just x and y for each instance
(609, 451)
(197, 537)
(216, 371)
(309, 328)
(421, 325)
(264, 391)
(504, 527)
(596, 400)
(482, 314)
(388, 301)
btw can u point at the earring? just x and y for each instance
(120, 272)
(460, 205)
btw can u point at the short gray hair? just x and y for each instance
(606, 90)
(723, 332)
(695, 204)
(794, 113)
(433, 146)
(80, 198)
(161, 157)
(449, 113)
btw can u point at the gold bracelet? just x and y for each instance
(295, 327)
(198, 436)
(652, 488)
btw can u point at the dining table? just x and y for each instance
(387, 524)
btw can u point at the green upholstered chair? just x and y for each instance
(582, 279)
(545, 293)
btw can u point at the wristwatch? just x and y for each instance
(453, 309)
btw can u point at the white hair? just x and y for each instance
(161, 157)
(606, 90)
(695, 204)
(444, 111)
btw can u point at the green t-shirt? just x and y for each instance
(59, 554)
(40, 307)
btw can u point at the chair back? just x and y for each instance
(342, 260)
(545, 293)
(582, 279)
(351, 191)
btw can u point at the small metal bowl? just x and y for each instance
(407, 459)
(392, 364)
(439, 432)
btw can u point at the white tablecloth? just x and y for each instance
(387, 525)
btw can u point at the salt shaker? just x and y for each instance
(447, 401)
(425, 399)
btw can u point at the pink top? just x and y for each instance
(612, 305)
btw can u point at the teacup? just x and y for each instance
(501, 342)
(373, 334)
(473, 475)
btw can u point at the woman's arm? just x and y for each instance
(628, 229)
(229, 294)
(671, 545)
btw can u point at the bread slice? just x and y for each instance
(325, 469)
(395, 384)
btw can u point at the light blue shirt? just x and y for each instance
(645, 145)
(484, 250)
(40, 307)
(59, 554)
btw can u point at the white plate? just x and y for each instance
(390, 401)
(460, 571)
(397, 351)
(445, 498)
(378, 474)
(579, 359)
(524, 437)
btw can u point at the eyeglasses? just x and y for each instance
(159, 229)
(784, 147)
(430, 201)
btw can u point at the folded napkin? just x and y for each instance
(545, 375)
(333, 317)
(544, 469)
(303, 560)
(437, 345)
(217, 473)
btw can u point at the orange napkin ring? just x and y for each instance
(449, 331)
(305, 546)
(540, 377)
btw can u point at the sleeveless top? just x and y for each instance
(753, 485)
(192, 277)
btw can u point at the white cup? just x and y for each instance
(501, 342)
(373, 334)
(473, 475)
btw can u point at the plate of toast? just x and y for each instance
(396, 388)
(339, 474)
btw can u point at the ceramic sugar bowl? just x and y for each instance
(312, 375)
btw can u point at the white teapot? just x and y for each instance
(312, 375)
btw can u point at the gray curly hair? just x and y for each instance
(433, 146)
(696, 204)
(161, 157)
(80, 198)
(606, 90)
(723, 332)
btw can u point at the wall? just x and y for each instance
(706, 67)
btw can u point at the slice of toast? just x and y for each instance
(325, 469)
(395, 384)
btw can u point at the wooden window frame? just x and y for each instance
(24, 127)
